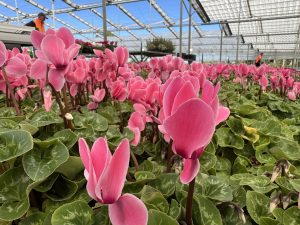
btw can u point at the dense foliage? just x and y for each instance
(250, 170)
(160, 45)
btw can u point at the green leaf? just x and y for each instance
(291, 216)
(154, 199)
(296, 184)
(71, 168)
(14, 189)
(28, 127)
(278, 213)
(47, 184)
(42, 118)
(175, 209)
(110, 113)
(239, 196)
(101, 216)
(142, 175)
(75, 213)
(228, 139)
(159, 218)
(267, 221)
(205, 212)
(95, 120)
(57, 193)
(231, 217)
(257, 205)
(8, 124)
(259, 184)
(216, 189)
(236, 126)
(67, 137)
(285, 149)
(207, 160)
(34, 219)
(42, 162)
(14, 143)
(165, 183)
(223, 164)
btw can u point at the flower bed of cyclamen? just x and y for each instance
(93, 141)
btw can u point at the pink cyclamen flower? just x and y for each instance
(57, 49)
(98, 96)
(189, 121)
(137, 123)
(106, 176)
(292, 95)
(47, 99)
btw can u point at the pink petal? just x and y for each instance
(38, 69)
(113, 178)
(186, 92)
(56, 78)
(100, 156)
(120, 55)
(292, 95)
(137, 136)
(170, 94)
(190, 170)
(128, 210)
(98, 96)
(84, 152)
(53, 48)
(191, 127)
(73, 90)
(208, 92)
(72, 51)
(223, 114)
(98, 53)
(3, 53)
(16, 67)
(47, 100)
(80, 75)
(92, 105)
(36, 39)
(137, 120)
(66, 35)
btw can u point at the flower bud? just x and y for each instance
(69, 116)
(286, 200)
(240, 213)
(275, 201)
(276, 171)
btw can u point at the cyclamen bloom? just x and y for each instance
(190, 122)
(57, 49)
(106, 176)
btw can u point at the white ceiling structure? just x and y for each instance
(272, 26)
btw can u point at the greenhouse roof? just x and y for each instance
(272, 26)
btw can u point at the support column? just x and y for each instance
(53, 14)
(190, 29)
(238, 35)
(248, 53)
(180, 35)
(221, 44)
(104, 20)
(17, 11)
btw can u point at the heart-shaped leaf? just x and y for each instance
(41, 162)
(14, 143)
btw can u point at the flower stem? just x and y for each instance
(189, 203)
(169, 157)
(18, 112)
(135, 162)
